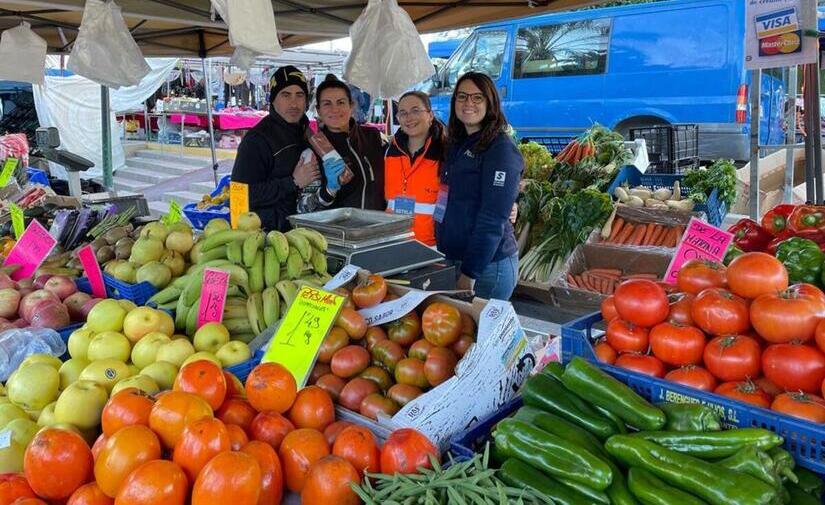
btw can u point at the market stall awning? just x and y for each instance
(186, 27)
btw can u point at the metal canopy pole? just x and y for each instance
(787, 195)
(106, 128)
(815, 133)
(208, 92)
(756, 80)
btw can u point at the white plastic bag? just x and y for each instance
(22, 55)
(387, 55)
(105, 51)
(251, 29)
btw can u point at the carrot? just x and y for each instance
(664, 240)
(612, 288)
(575, 153)
(625, 234)
(617, 227)
(610, 272)
(604, 286)
(580, 282)
(674, 237)
(638, 233)
(570, 280)
(648, 232)
(641, 276)
(657, 235)
(589, 282)
(680, 230)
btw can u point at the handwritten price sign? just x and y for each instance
(213, 296)
(93, 272)
(238, 201)
(30, 251)
(305, 326)
(700, 241)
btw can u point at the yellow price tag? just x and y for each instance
(238, 201)
(303, 329)
(174, 215)
(8, 171)
(17, 221)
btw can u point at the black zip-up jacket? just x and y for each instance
(266, 159)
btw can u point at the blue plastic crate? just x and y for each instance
(38, 177)
(554, 145)
(242, 370)
(471, 441)
(200, 217)
(803, 439)
(715, 209)
(138, 293)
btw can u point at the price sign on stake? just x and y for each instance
(17, 222)
(29, 252)
(213, 296)
(8, 171)
(700, 241)
(305, 325)
(238, 201)
(93, 272)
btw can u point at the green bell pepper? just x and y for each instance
(753, 462)
(802, 258)
(690, 417)
(714, 484)
(800, 497)
(783, 464)
(652, 491)
(732, 253)
(519, 474)
(712, 444)
(810, 482)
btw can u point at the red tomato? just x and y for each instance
(680, 310)
(642, 302)
(720, 312)
(626, 337)
(697, 275)
(609, 309)
(819, 335)
(811, 291)
(747, 392)
(768, 386)
(677, 345)
(756, 273)
(794, 367)
(800, 405)
(441, 324)
(405, 451)
(733, 358)
(648, 365)
(604, 352)
(692, 376)
(371, 292)
(782, 317)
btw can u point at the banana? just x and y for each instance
(223, 237)
(233, 291)
(244, 337)
(256, 273)
(218, 253)
(180, 282)
(237, 276)
(166, 295)
(315, 238)
(300, 243)
(324, 278)
(271, 304)
(192, 319)
(319, 261)
(288, 291)
(234, 312)
(198, 269)
(253, 312)
(233, 301)
(278, 240)
(294, 264)
(251, 246)
(181, 311)
(234, 252)
(238, 325)
(168, 306)
(192, 291)
(272, 267)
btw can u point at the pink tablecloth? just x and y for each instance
(236, 121)
(190, 119)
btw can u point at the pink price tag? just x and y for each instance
(93, 272)
(30, 251)
(213, 296)
(700, 241)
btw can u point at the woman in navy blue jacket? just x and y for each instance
(479, 184)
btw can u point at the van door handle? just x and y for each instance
(502, 91)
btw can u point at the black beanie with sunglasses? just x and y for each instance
(284, 77)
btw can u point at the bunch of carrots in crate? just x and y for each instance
(625, 232)
(604, 280)
(577, 150)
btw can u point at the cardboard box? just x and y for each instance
(771, 179)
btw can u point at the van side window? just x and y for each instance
(575, 48)
(482, 53)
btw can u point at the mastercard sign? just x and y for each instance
(779, 32)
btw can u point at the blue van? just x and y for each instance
(679, 61)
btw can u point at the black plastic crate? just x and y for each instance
(552, 144)
(671, 149)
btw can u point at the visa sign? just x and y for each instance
(777, 22)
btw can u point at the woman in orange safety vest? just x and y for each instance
(412, 164)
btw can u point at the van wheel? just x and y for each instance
(625, 126)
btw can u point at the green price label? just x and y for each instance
(8, 171)
(175, 213)
(17, 220)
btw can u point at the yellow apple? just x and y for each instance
(167, 323)
(22, 430)
(47, 415)
(11, 455)
(9, 412)
(33, 387)
(79, 343)
(233, 353)
(70, 371)
(107, 315)
(145, 350)
(109, 345)
(106, 372)
(133, 369)
(128, 305)
(142, 382)
(142, 321)
(175, 352)
(163, 373)
(46, 359)
(203, 355)
(178, 336)
(210, 337)
(81, 404)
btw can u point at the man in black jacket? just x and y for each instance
(269, 157)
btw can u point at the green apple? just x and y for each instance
(109, 345)
(155, 230)
(210, 337)
(233, 353)
(167, 323)
(133, 369)
(142, 382)
(35, 386)
(70, 371)
(11, 454)
(46, 359)
(34, 414)
(203, 355)
(145, 351)
(142, 321)
(81, 404)
(4, 400)
(163, 373)
(175, 352)
(47, 417)
(79, 342)
(107, 315)
(128, 305)
(106, 372)
(9, 412)
(2, 390)
(22, 430)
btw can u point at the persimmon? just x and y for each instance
(272, 477)
(123, 452)
(200, 441)
(173, 411)
(329, 482)
(270, 386)
(229, 477)
(57, 462)
(299, 450)
(126, 408)
(205, 379)
(312, 408)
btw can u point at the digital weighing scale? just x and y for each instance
(379, 242)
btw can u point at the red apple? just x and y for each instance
(61, 286)
(28, 282)
(25, 291)
(40, 281)
(9, 302)
(20, 323)
(75, 304)
(49, 314)
(87, 307)
(6, 282)
(32, 299)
